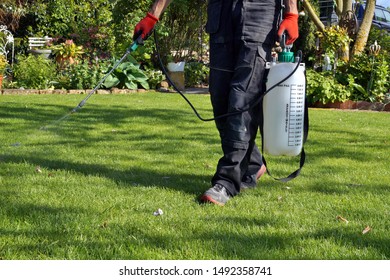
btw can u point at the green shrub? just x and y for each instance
(196, 73)
(372, 74)
(88, 23)
(155, 77)
(34, 72)
(83, 75)
(323, 87)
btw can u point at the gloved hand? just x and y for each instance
(145, 27)
(289, 24)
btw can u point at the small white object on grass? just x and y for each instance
(158, 212)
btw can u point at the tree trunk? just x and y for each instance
(339, 7)
(362, 36)
(347, 6)
(344, 50)
(312, 14)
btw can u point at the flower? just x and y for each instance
(3, 63)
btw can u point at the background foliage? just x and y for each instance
(35, 72)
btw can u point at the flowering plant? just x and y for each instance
(3, 63)
(67, 50)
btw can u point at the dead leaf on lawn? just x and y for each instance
(342, 219)
(366, 230)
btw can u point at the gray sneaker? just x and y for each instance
(250, 181)
(217, 195)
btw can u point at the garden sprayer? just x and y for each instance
(285, 121)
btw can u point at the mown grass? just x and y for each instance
(87, 187)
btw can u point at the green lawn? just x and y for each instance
(87, 187)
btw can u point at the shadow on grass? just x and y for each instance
(131, 178)
(77, 125)
(76, 132)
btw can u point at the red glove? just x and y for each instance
(289, 24)
(145, 26)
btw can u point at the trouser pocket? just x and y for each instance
(214, 9)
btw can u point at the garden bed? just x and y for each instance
(355, 105)
(70, 91)
(347, 105)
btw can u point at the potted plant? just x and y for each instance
(3, 67)
(67, 52)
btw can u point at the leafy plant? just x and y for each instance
(155, 77)
(371, 74)
(381, 80)
(334, 38)
(34, 72)
(83, 75)
(196, 73)
(366, 76)
(67, 52)
(323, 87)
(67, 49)
(127, 75)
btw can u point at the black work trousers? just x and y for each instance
(242, 33)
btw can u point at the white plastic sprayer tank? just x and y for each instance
(283, 108)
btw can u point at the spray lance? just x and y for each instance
(129, 50)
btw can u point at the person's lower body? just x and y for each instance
(241, 37)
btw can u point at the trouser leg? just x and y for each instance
(238, 132)
(237, 60)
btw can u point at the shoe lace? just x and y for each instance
(219, 188)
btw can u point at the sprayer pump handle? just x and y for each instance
(283, 43)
